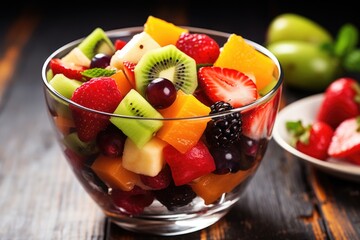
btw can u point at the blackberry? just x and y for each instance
(223, 130)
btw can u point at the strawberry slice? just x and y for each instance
(346, 140)
(190, 44)
(259, 121)
(228, 85)
(99, 94)
(70, 70)
(119, 44)
(129, 71)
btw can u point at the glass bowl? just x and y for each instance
(127, 198)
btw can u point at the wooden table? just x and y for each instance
(40, 198)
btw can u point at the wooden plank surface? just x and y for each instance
(41, 199)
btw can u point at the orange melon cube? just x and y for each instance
(122, 82)
(64, 124)
(111, 171)
(163, 32)
(238, 54)
(183, 134)
(210, 187)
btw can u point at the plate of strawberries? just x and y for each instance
(324, 129)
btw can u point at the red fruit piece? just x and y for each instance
(99, 94)
(313, 139)
(228, 85)
(346, 140)
(71, 71)
(133, 201)
(201, 47)
(119, 44)
(129, 72)
(160, 181)
(258, 122)
(341, 101)
(188, 166)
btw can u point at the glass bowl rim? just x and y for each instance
(126, 32)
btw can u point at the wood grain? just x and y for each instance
(16, 37)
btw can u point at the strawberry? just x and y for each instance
(70, 70)
(228, 85)
(313, 139)
(346, 140)
(99, 94)
(257, 123)
(188, 166)
(129, 71)
(341, 101)
(160, 181)
(119, 44)
(201, 47)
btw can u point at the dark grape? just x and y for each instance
(227, 159)
(252, 151)
(100, 60)
(160, 93)
(111, 142)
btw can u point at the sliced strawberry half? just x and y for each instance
(70, 70)
(228, 85)
(129, 71)
(99, 94)
(346, 140)
(259, 121)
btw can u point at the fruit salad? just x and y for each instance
(169, 120)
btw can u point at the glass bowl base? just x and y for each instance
(169, 227)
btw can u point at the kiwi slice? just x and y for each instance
(96, 42)
(138, 130)
(64, 85)
(167, 62)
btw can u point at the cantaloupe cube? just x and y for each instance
(240, 55)
(64, 124)
(183, 134)
(210, 187)
(111, 171)
(122, 82)
(163, 32)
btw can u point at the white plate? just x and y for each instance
(305, 110)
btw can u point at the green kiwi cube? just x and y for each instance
(73, 142)
(64, 85)
(96, 42)
(140, 131)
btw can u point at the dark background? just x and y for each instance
(248, 18)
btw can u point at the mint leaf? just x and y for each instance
(351, 62)
(346, 40)
(97, 72)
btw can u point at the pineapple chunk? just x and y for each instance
(138, 45)
(77, 57)
(148, 160)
